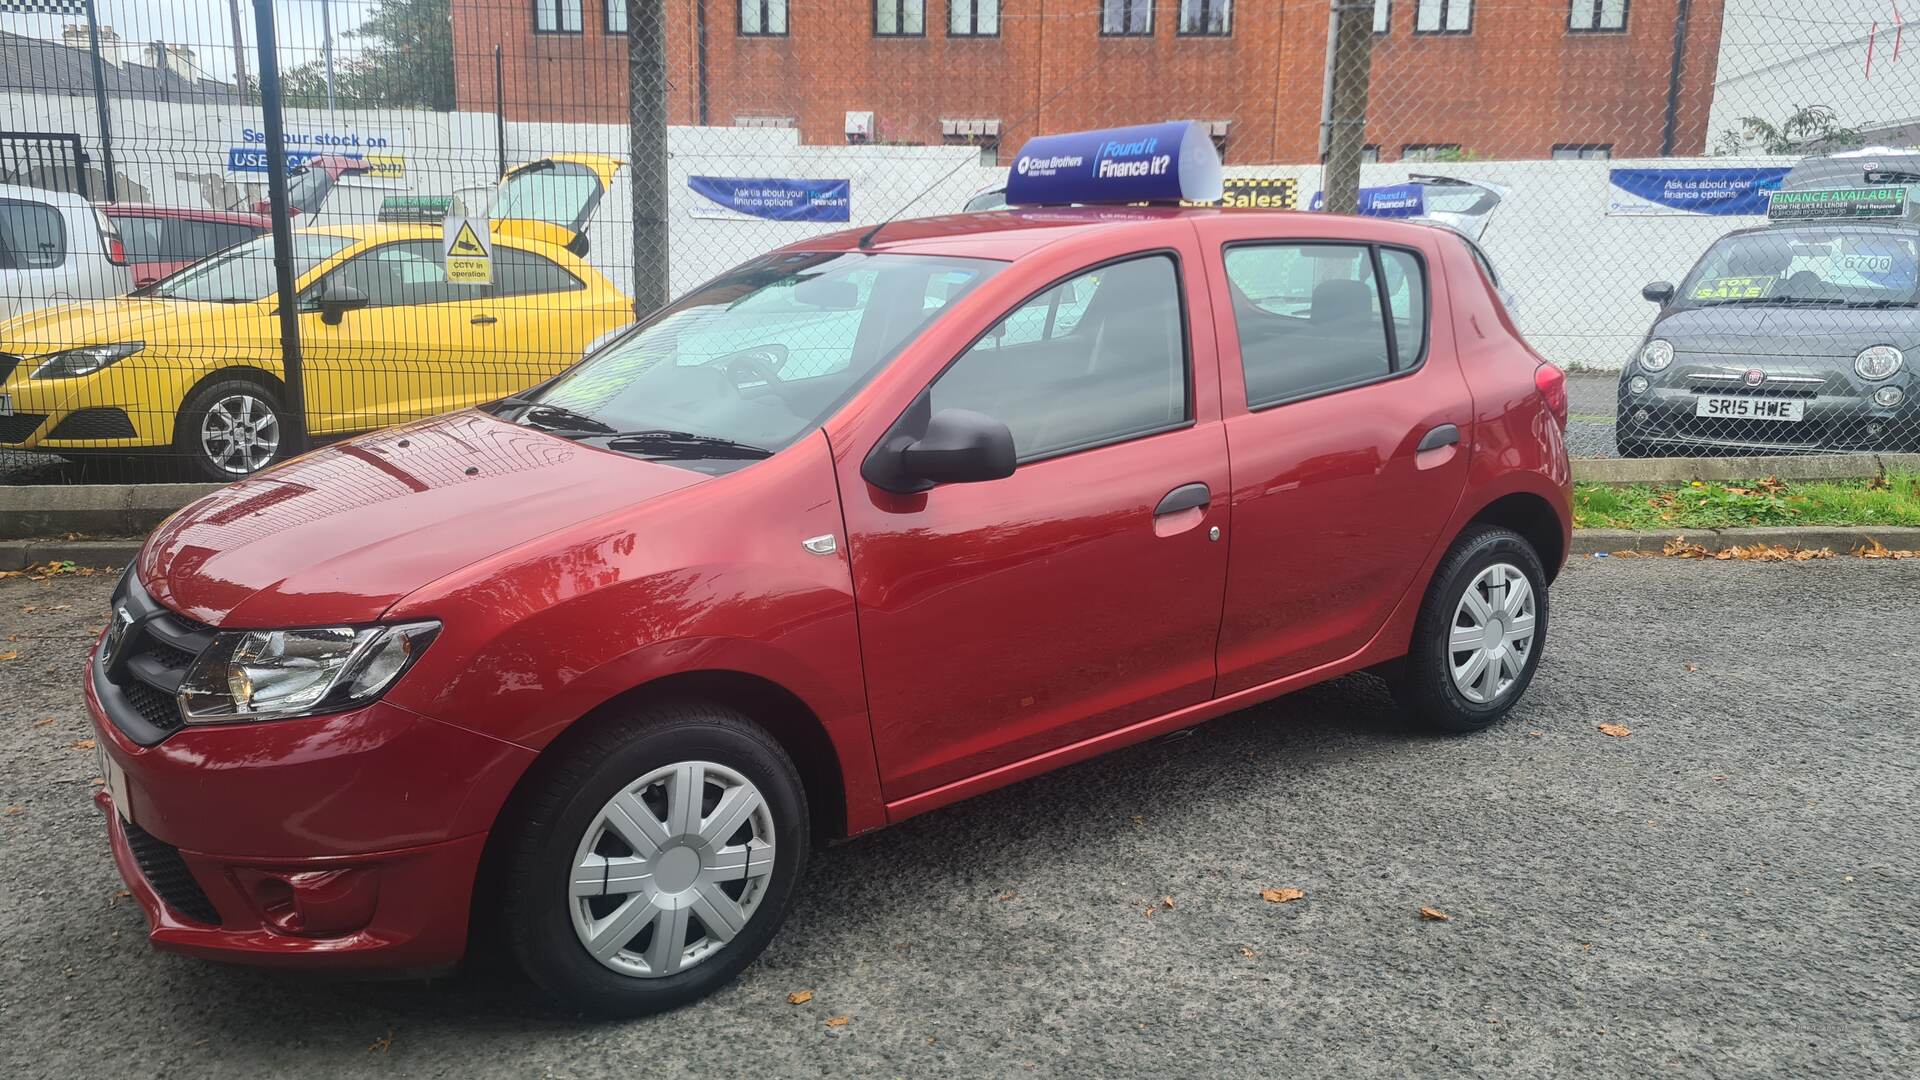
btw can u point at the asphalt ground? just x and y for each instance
(1728, 891)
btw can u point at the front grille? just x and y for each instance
(156, 708)
(97, 423)
(164, 869)
(138, 685)
(8, 361)
(19, 427)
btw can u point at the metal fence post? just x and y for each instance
(647, 149)
(270, 105)
(100, 103)
(500, 106)
(1350, 51)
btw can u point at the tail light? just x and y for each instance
(110, 239)
(1552, 384)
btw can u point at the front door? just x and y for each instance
(410, 353)
(1350, 428)
(1082, 594)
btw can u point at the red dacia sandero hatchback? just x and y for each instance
(865, 526)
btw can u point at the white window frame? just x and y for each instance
(1443, 17)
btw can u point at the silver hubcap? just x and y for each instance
(1492, 634)
(240, 434)
(671, 869)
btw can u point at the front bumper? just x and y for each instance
(1847, 420)
(338, 842)
(102, 411)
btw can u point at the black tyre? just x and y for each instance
(230, 428)
(1478, 637)
(653, 859)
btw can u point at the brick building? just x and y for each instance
(1477, 78)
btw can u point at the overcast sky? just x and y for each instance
(206, 26)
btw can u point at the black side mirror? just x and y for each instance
(336, 300)
(953, 446)
(1660, 292)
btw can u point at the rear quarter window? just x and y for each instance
(1314, 318)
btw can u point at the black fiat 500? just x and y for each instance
(1789, 338)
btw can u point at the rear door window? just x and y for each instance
(1096, 359)
(1313, 318)
(523, 273)
(33, 236)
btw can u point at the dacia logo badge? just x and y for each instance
(1755, 376)
(116, 635)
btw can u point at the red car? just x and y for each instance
(162, 239)
(871, 524)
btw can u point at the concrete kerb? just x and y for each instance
(1841, 540)
(34, 511)
(1686, 470)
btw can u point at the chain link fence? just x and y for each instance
(1701, 208)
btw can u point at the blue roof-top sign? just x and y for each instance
(1163, 163)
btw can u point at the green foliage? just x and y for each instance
(1808, 129)
(401, 57)
(1893, 499)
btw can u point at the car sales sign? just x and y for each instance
(468, 250)
(1149, 163)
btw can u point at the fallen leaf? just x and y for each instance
(123, 894)
(1434, 914)
(10, 654)
(1691, 668)
(98, 781)
(1166, 902)
(1536, 734)
(1148, 913)
(12, 810)
(1618, 731)
(1247, 952)
(1678, 548)
(83, 744)
(43, 723)
(1281, 896)
(381, 1044)
(1008, 895)
(1138, 821)
(839, 1021)
(799, 997)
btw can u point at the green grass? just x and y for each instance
(1891, 500)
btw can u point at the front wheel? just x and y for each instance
(654, 859)
(230, 429)
(1477, 639)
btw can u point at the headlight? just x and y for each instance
(1878, 362)
(273, 674)
(86, 360)
(1655, 355)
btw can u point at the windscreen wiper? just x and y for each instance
(558, 419)
(682, 444)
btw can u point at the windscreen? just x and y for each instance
(1838, 267)
(244, 274)
(754, 359)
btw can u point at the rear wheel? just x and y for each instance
(229, 429)
(655, 859)
(1477, 639)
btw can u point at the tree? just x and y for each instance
(405, 61)
(1808, 129)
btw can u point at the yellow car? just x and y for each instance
(193, 362)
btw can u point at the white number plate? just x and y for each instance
(1728, 407)
(6, 404)
(116, 779)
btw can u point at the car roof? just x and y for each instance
(64, 199)
(1006, 235)
(196, 213)
(390, 230)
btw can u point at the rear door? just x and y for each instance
(1349, 427)
(536, 319)
(1004, 619)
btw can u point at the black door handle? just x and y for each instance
(1184, 497)
(1444, 435)
(484, 320)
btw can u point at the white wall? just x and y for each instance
(1576, 271)
(1779, 55)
